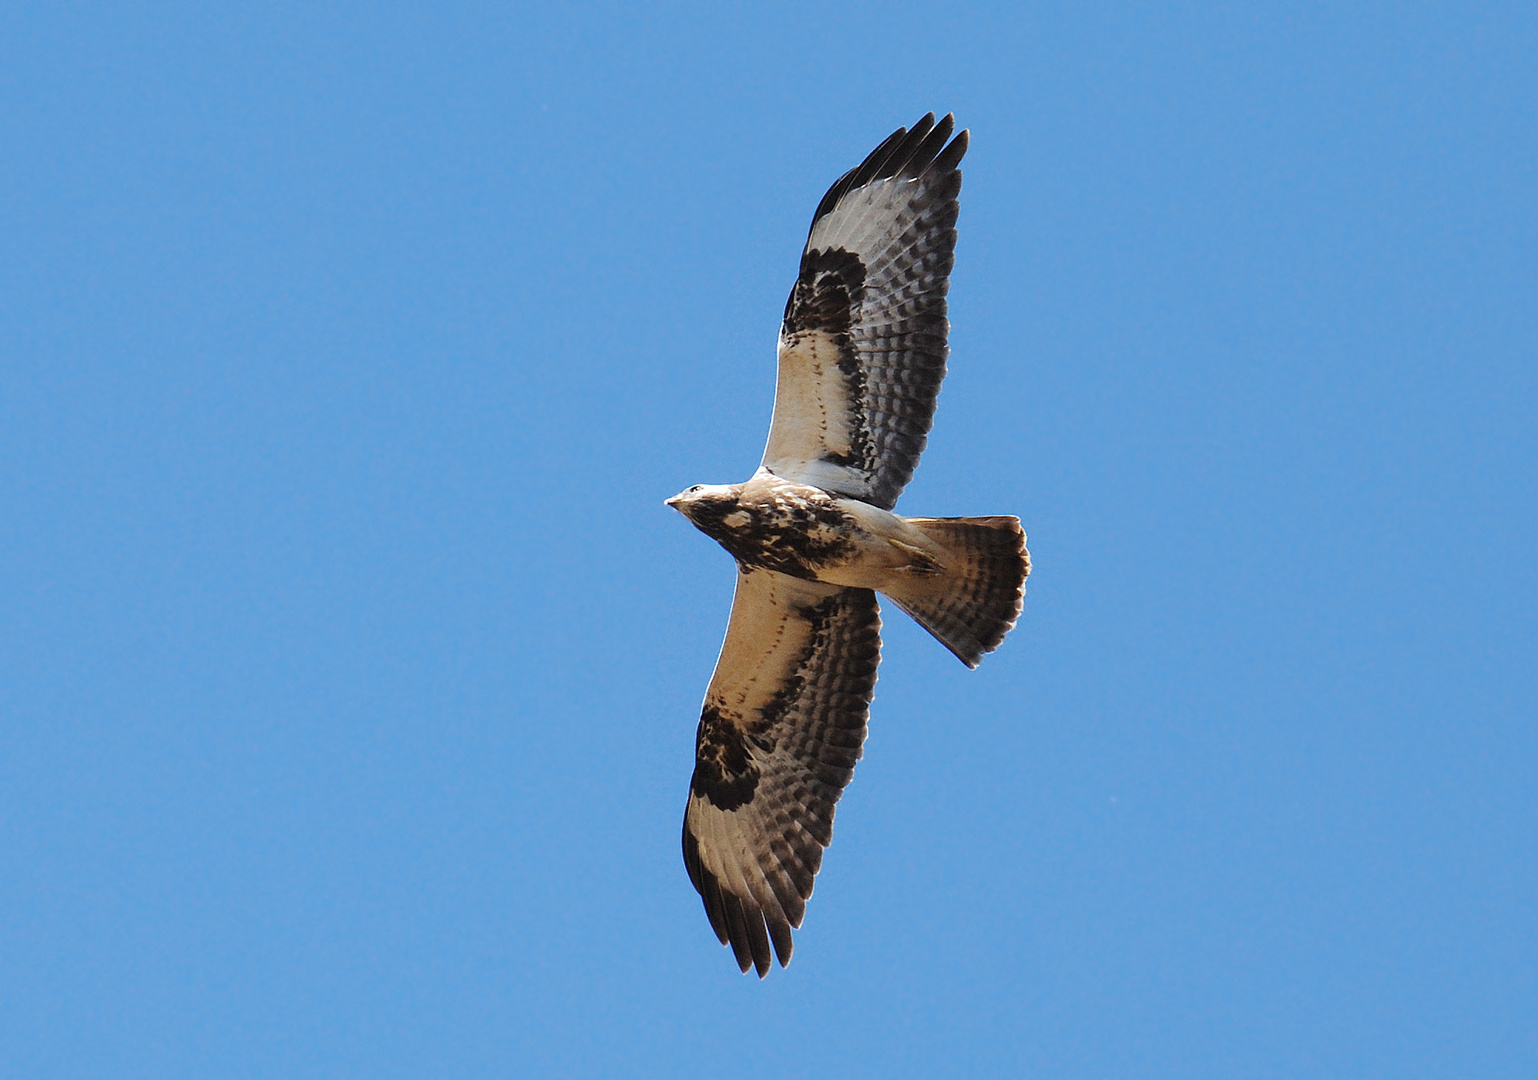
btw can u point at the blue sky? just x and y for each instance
(350, 661)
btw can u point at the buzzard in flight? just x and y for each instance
(861, 355)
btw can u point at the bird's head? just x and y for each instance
(707, 505)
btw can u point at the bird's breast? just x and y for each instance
(795, 533)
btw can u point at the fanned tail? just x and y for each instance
(975, 598)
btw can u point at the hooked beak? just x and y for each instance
(673, 502)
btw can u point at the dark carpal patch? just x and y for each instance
(827, 291)
(723, 771)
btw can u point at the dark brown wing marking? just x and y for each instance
(781, 730)
(863, 345)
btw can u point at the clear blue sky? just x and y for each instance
(350, 662)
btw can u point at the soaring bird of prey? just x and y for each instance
(862, 351)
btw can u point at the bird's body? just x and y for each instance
(862, 354)
(770, 523)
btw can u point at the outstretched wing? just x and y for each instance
(862, 349)
(781, 730)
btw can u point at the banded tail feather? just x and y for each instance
(976, 597)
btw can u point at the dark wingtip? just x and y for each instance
(907, 152)
(692, 859)
(704, 883)
(737, 930)
(918, 150)
(758, 938)
(951, 156)
(784, 944)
